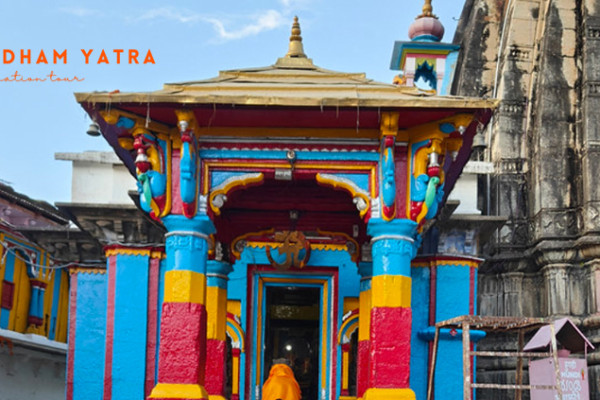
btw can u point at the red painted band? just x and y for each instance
(432, 309)
(334, 328)
(401, 153)
(182, 353)
(72, 325)
(110, 327)
(363, 367)
(151, 337)
(472, 272)
(38, 284)
(177, 203)
(390, 347)
(432, 294)
(215, 366)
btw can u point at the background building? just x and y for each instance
(34, 306)
(540, 58)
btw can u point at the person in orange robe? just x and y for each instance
(281, 384)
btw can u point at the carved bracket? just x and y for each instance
(152, 161)
(432, 146)
(360, 197)
(218, 195)
(387, 164)
(188, 162)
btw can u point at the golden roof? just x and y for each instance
(292, 81)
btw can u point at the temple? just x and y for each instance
(294, 201)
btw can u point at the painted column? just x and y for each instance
(182, 351)
(393, 248)
(216, 307)
(455, 294)
(126, 346)
(87, 333)
(235, 373)
(345, 369)
(365, 269)
(36, 307)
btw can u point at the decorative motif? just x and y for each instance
(294, 246)
(387, 165)
(387, 247)
(351, 245)
(86, 270)
(426, 190)
(360, 197)
(152, 159)
(188, 162)
(186, 242)
(239, 243)
(127, 251)
(218, 195)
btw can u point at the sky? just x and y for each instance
(188, 39)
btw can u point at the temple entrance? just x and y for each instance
(292, 333)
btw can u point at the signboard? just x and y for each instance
(573, 379)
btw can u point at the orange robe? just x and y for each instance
(281, 384)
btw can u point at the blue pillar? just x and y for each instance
(394, 245)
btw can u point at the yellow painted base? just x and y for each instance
(389, 394)
(391, 291)
(178, 391)
(185, 287)
(215, 397)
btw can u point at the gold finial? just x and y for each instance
(427, 10)
(296, 49)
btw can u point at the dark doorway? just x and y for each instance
(292, 333)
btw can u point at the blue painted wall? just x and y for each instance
(55, 301)
(90, 322)
(453, 295)
(419, 356)
(130, 327)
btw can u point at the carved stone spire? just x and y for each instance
(296, 48)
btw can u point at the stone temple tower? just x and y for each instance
(540, 59)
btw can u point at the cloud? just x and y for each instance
(169, 13)
(270, 19)
(294, 4)
(260, 22)
(80, 11)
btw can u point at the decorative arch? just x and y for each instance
(236, 334)
(348, 327)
